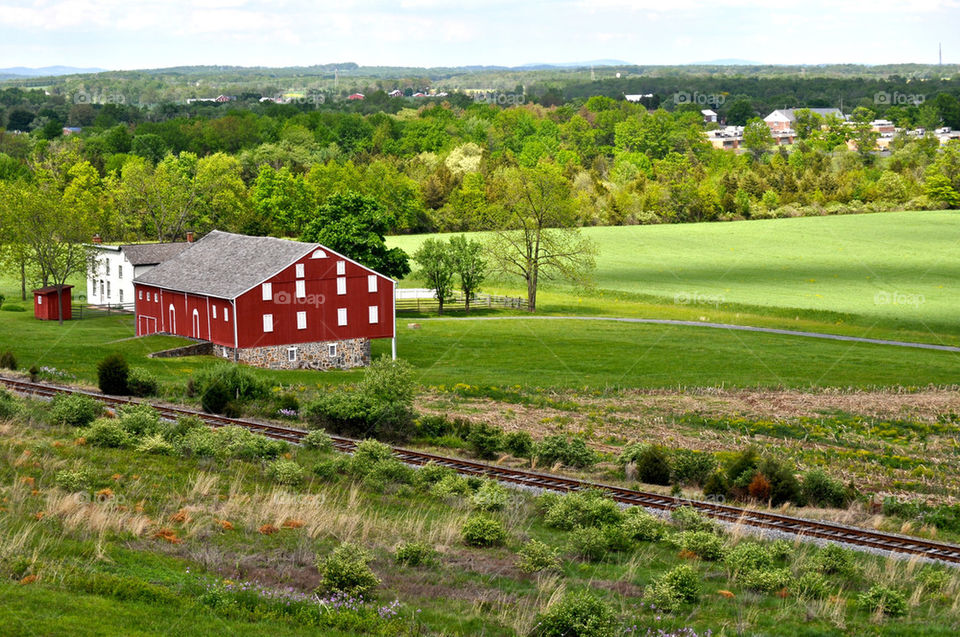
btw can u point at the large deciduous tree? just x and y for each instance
(469, 264)
(436, 268)
(757, 138)
(536, 232)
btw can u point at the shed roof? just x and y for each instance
(52, 288)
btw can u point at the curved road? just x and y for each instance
(722, 326)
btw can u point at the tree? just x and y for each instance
(863, 134)
(536, 229)
(469, 264)
(355, 225)
(757, 138)
(807, 123)
(436, 262)
(740, 112)
(163, 200)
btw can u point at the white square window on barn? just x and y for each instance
(374, 314)
(332, 350)
(214, 311)
(342, 316)
(341, 267)
(341, 285)
(226, 314)
(139, 295)
(301, 320)
(39, 300)
(267, 323)
(299, 270)
(156, 297)
(292, 354)
(266, 291)
(301, 289)
(371, 283)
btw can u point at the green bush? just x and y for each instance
(13, 308)
(8, 360)
(200, 442)
(653, 464)
(780, 550)
(589, 543)
(8, 404)
(689, 519)
(716, 486)
(155, 444)
(572, 452)
(518, 444)
(692, 467)
(434, 426)
(318, 440)
(415, 554)
(112, 373)
(643, 526)
(483, 530)
(286, 472)
(224, 384)
(811, 585)
(834, 559)
(75, 410)
(784, 486)
(766, 580)
(214, 398)
(485, 440)
(680, 585)
(142, 383)
(535, 556)
(237, 442)
(491, 496)
(884, 600)
(580, 614)
(933, 579)
(451, 485)
(105, 432)
(347, 570)
(743, 467)
(430, 474)
(387, 472)
(819, 489)
(127, 589)
(372, 450)
(72, 481)
(746, 557)
(140, 420)
(582, 509)
(703, 544)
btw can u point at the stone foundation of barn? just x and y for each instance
(345, 354)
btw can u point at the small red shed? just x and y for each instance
(45, 302)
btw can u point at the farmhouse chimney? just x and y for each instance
(189, 236)
(97, 240)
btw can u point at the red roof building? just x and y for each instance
(268, 302)
(356, 96)
(46, 302)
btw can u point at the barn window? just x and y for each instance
(268, 323)
(266, 291)
(332, 350)
(341, 285)
(341, 267)
(156, 297)
(301, 320)
(226, 314)
(371, 283)
(214, 311)
(139, 295)
(292, 354)
(39, 300)
(299, 270)
(318, 254)
(341, 316)
(301, 289)
(374, 314)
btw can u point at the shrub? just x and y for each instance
(535, 556)
(75, 410)
(155, 444)
(485, 440)
(589, 543)
(680, 585)
(834, 559)
(784, 486)
(414, 554)
(766, 580)
(372, 450)
(430, 474)
(142, 383)
(811, 585)
(384, 472)
(618, 537)
(237, 442)
(716, 486)
(112, 373)
(653, 465)
(519, 444)
(692, 467)
(745, 557)
(884, 600)
(347, 571)
(689, 519)
(200, 442)
(8, 404)
(703, 544)
(819, 489)
(491, 496)
(780, 550)
(140, 420)
(318, 440)
(107, 433)
(581, 509)
(227, 383)
(759, 488)
(483, 530)
(434, 426)
(572, 452)
(743, 467)
(581, 614)
(451, 485)
(73, 481)
(933, 579)
(643, 526)
(8, 360)
(214, 398)
(286, 472)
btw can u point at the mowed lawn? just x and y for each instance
(893, 270)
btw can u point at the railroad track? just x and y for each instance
(735, 515)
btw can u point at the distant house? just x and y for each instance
(71, 130)
(395, 93)
(638, 97)
(268, 302)
(46, 302)
(783, 119)
(356, 96)
(114, 267)
(709, 116)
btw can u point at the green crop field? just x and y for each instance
(897, 271)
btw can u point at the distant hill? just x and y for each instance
(727, 62)
(45, 71)
(572, 65)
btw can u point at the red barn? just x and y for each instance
(46, 300)
(268, 302)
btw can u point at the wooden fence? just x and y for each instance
(459, 303)
(82, 310)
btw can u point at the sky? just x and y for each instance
(131, 34)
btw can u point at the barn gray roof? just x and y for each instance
(152, 253)
(226, 265)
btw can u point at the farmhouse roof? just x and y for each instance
(226, 265)
(790, 114)
(152, 253)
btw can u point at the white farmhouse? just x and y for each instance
(114, 267)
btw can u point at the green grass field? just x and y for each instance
(896, 271)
